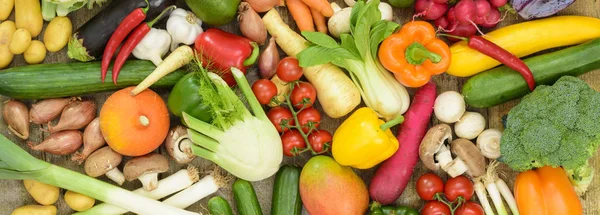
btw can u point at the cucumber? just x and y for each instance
(219, 206)
(245, 198)
(502, 84)
(286, 195)
(74, 79)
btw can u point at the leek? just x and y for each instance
(17, 164)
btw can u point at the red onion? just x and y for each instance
(76, 115)
(60, 143)
(268, 60)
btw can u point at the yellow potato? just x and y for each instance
(57, 33)
(6, 7)
(35, 210)
(7, 29)
(78, 202)
(20, 41)
(28, 15)
(42, 193)
(35, 53)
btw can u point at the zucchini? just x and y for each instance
(286, 195)
(245, 198)
(74, 79)
(219, 206)
(502, 84)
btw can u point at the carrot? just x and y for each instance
(178, 58)
(319, 21)
(393, 175)
(322, 6)
(301, 14)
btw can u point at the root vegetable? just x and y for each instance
(105, 161)
(492, 18)
(78, 202)
(301, 14)
(470, 125)
(282, 91)
(179, 145)
(60, 143)
(429, 9)
(320, 5)
(489, 143)
(92, 140)
(42, 193)
(7, 29)
(262, 6)
(58, 33)
(35, 210)
(449, 107)
(20, 41)
(251, 25)
(442, 22)
(16, 117)
(319, 20)
(36, 53)
(482, 7)
(339, 23)
(268, 60)
(6, 9)
(498, 3)
(177, 59)
(76, 115)
(462, 30)
(48, 109)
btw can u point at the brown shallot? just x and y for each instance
(251, 25)
(47, 110)
(92, 140)
(15, 114)
(76, 115)
(268, 60)
(60, 143)
(262, 5)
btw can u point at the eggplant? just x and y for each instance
(532, 9)
(88, 42)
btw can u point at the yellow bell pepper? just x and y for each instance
(364, 140)
(523, 39)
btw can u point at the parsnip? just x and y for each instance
(336, 92)
(282, 91)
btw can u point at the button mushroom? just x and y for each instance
(179, 145)
(146, 169)
(468, 159)
(104, 161)
(433, 151)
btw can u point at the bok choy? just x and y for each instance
(357, 53)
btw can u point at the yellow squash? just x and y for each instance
(28, 15)
(524, 39)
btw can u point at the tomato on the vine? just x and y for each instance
(469, 208)
(303, 95)
(428, 185)
(292, 139)
(318, 139)
(435, 208)
(264, 90)
(288, 69)
(277, 114)
(459, 186)
(309, 116)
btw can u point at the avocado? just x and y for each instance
(214, 12)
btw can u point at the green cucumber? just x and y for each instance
(502, 84)
(286, 194)
(74, 79)
(219, 206)
(245, 198)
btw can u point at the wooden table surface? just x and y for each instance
(13, 194)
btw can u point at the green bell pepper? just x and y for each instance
(185, 97)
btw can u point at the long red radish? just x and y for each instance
(394, 174)
(429, 9)
(177, 59)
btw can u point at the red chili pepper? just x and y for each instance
(125, 27)
(221, 50)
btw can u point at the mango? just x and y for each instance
(328, 188)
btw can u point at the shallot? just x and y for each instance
(15, 114)
(47, 110)
(92, 140)
(251, 25)
(60, 143)
(76, 115)
(268, 60)
(262, 5)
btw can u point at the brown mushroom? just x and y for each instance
(104, 161)
(179, 145)
(468, 159)
(433, 151)
(146, 169)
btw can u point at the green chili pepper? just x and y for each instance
(185, 97)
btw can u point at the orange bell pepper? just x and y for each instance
(546, 191)
(414, 54)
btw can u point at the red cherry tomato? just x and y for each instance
(318, 139)
(435, 208)
(278, 114)
(459, 186)
(309, 116)
(264, 90)
(428, 185)
(288, 69)
(469, 208)
(301, 92)
(292, 139)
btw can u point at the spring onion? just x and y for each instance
(489, 180)
(17, 164)
(482, 197)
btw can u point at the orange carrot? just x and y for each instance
(301, 14)
(319, 21)
(322, 6)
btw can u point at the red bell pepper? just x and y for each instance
(221, 50)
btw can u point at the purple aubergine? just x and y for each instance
(532, 9)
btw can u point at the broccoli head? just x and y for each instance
(554, 126)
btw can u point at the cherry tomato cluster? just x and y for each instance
(446, 199)
(296, 118)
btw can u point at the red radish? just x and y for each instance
(462, 30)
(465, 11)
(442, 22)
(441, 1)
(393, 175)
(76, 115)
(429, 9)
(482, 7)
(498, 3)
(60, 143)
(491, 19)
(451, 16)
